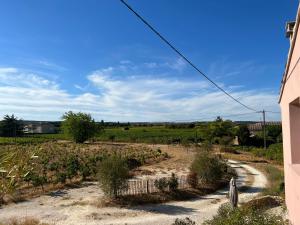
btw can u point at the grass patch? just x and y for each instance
(274, 152)
(276, 181)
(243, 216)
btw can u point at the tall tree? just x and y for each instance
(243, 134)
(11, 126)
(79, 126)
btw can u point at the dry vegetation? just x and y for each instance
(26, 221)
(38, 168)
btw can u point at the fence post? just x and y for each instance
(147, 187)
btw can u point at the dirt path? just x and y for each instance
(75, 206)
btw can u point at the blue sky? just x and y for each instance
(96, 57)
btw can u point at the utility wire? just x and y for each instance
(185, 58)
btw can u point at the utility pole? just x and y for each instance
(264, 129)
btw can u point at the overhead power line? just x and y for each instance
(185, 58)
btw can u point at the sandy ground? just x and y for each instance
(76, 206)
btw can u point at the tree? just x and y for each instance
(113, 174)
(11, 126)
(243, 134)
(79, 126)
(274, 132)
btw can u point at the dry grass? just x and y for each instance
(25, 221)
(265, 202)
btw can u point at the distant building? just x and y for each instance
(256, 127)
(290, 108)
(39, 128)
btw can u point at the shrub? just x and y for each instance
(208, 167)
(276, 178)
(61, 178)
(113, 174)
(85, 171)
(161, 184)
(186, 221)
(275, 152)
(192, 179)
(73, 166)
(38, 180)
(173, 183)
(246, 216)
(79, 126)
(133, 163)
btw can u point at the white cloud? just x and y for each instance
(130, 98)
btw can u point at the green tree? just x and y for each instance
(274, 132)
(11, 126)
(79, 126)
(113, 174)
(243, 134)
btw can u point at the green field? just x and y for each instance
(155, 134)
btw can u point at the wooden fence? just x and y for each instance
(143, 186)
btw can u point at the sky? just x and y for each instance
(95, 56)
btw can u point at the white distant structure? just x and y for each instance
(39, 128)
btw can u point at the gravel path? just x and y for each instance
(73, 206)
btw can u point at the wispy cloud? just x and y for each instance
(124, 98)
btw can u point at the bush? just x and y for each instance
(276, 181)
(79, 126)
(186, 221)
(192, 179)
(133, 163)
(274, 152)
(113, 174)
(209, 168)
(161, 184)
(173, 183)
(38, 180)
(61, 178)
(246, 216)
(73, 166)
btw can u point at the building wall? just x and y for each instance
(290, 107)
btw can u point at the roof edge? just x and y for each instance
(291, 50)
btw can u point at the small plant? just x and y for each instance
(161, 184)
(73, 166)
(192, 179)
(61, 178)
(186, 221)
(113, 174)
(38, 180)
(173, 183)
(112, 138)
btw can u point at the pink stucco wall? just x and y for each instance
(290, 108)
